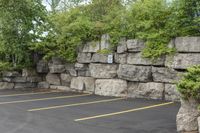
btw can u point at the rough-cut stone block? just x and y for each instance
(137, 59)
(99, 58)
(134, 73)
(42, 67)
(19, 79)
(7, 79)
(103, 70)
(120, 58)
(171, 93)
(70, 68)
(135, 45)
(34, 79)
(122, 47)
(53, 79)
(79, 66)
(29, 72)
(91, 47)
(57, 61)
(6, 85)
(187, 44)
(84, 57)
(63, 88)
(43, 85)
(105, 42)
(25, 85)
(85, 73)
(56, 68)
(83, 84)
(198, 123)
(186, 119)
(110, 87)
(11, 74)
(149, 90)
(167, 75)
(65, 79)
(183, 61)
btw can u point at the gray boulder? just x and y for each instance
(171, 93)
(105, 42)
(186, 119)
(110, 87)
(166, 75)
(29, 72)
(34, 79)
(149, 90)
(187, 44)
(120, 58)
(56, 68)
(83, 84)
(42, 66)
(183, 60)
(43, 85)
(134, 73)
(65, 79)
(99, 58)
(19, 79)
(10, 73)
(122, 47)
(103, 70)
(135, 45)
(6, 85)
(137, 59)
(53, 79)
(91, 47)
(84, 57)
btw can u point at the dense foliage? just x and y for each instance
(189, 86)
(27, 28)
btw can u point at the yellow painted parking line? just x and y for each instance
(123, 112)
(43, 99)
(75, 104)
(27, 94)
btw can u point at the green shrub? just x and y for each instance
(189, 86)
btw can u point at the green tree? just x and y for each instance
(19, 24)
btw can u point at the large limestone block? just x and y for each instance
(183, 60)
(42, 67)
(99, 58)
(84, 57)
(164, 74)
(83, 84)
(6, 85)
(105, 44)
(199, 123)
(171, 93)
(187, 44)
(91, 47)
(186, 119)
(103, 70)
(110, 87)
(70, 68)
(149, 90)
(120, 58)
(134, 73)
(122, 47)
(25, 85)
(137, 59)
(53, 79)
(65, 79)
(11, 74)
(19, 79)
(29, 72)
(82, 67)
(34, 79)
(43, 85)
(56, 68)
(135, 45)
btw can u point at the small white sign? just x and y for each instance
(110, 58)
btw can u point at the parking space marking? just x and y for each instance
(27, 94)
(43, 99)
(75, 104)
(123, 112)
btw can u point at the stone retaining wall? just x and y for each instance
(129, 72)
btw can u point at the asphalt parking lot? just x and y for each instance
(64, 112)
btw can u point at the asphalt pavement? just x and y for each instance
(70, 112)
